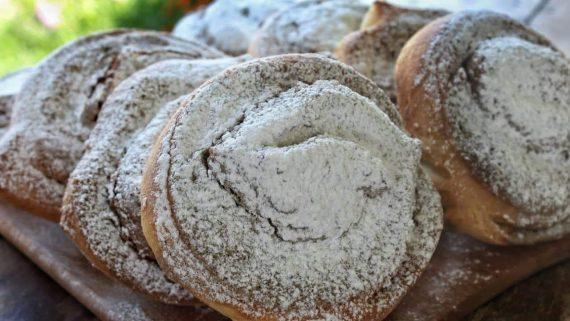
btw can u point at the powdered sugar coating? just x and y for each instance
(461, 35)
(308, 26)
(504, 90)
(520, 142)
(126, 200)
(283, 190)
(127, 179)
(373, 50)
(101, 208)
(10, 86)
(59, 105)
(228, 24)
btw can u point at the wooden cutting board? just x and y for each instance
(49, 248)
(544, 296)
(463, 274)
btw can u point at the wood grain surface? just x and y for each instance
(27, 293)
(545, 296)
(463, 274)
(48, 247)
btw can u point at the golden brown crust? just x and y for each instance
(469, 204)
(379, 12)
(374, 48)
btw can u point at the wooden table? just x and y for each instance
(27, 293)
(545, 296)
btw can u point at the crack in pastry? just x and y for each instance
(101, 208)
(490, 99)
(307, 27)
(228, 24)
(374, 48)
(59, 105)
(285, 189)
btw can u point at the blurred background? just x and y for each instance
(31, 29)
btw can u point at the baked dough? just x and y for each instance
(101, 209)
(228, 24)
(490, 100)
(59, 105)
(284, 189)
(307, 26)
(10, 86)
(374, 48)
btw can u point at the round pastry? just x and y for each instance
(284, 189)
(101, 208)
(373, 49)
(10, 86)
(307, 26)
(59, 105)
(490, 100)
(228, 24)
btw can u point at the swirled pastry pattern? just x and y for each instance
(286, 188)
(519, 144)
(491, 101)
(59, 105)
(101, 208)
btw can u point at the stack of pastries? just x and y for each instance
(296, 161)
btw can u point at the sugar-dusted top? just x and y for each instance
(101, 209)
(505, 92)
(308, 26)
(285, 187)
(58, 106)
(228, 24)
(10, 86)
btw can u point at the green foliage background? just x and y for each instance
(24, 40)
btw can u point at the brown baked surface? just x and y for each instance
(469, 203)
